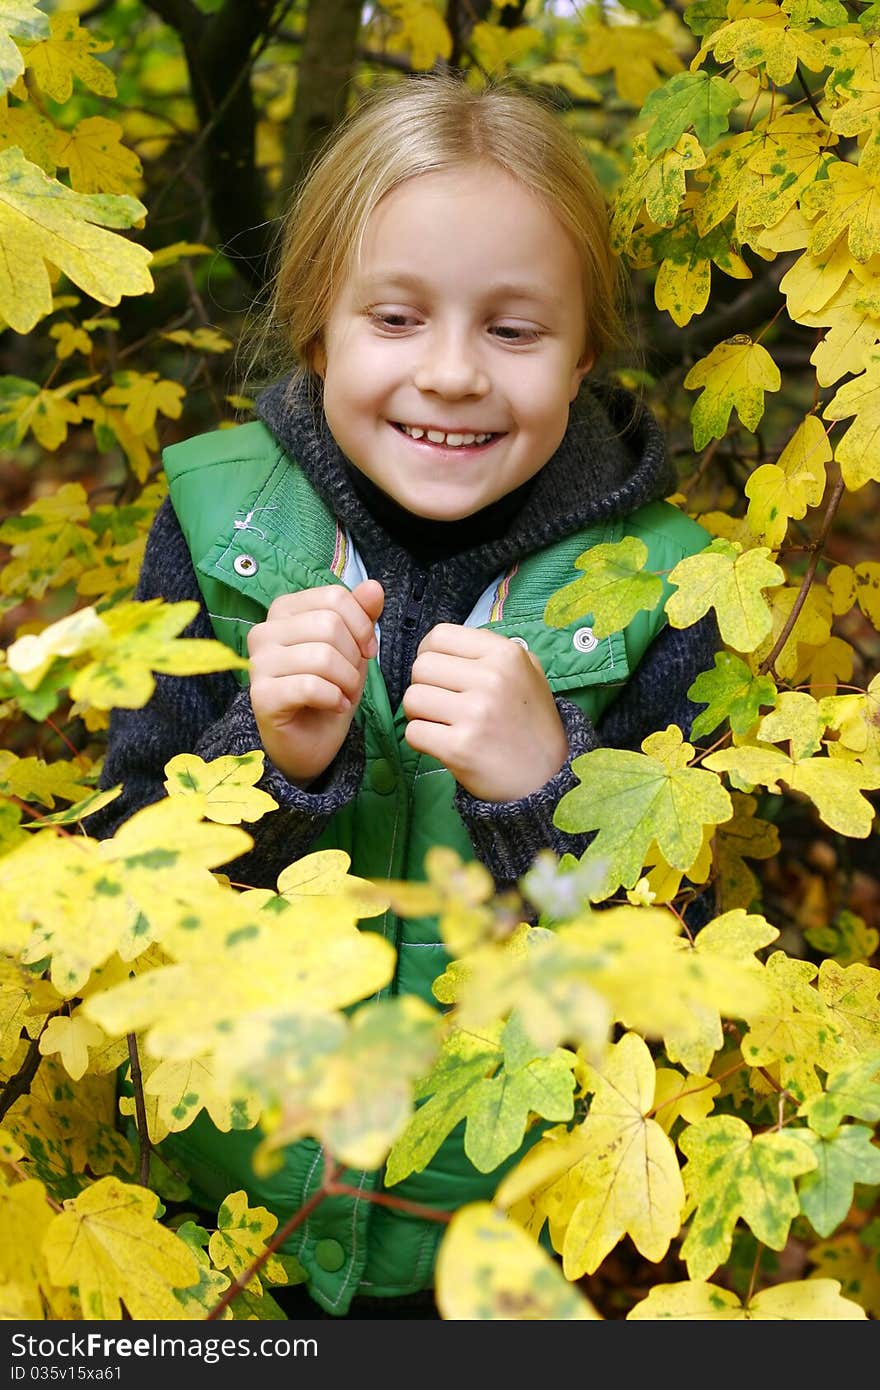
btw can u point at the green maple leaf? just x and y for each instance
(735, 374)
(496, 1106)
(852, 1088)
(732, 1174)
(688, 99)
(705, 16)
(843, 1159)
(637, 799)
(42, 220)
(730, 581)
(19, 17)
(730, 692)
(612, 588)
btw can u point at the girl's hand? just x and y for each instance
(308, 667)
(481, 705)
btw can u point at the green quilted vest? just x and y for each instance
(257, 529)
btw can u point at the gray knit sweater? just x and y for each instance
(611, 461)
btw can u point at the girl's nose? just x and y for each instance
(449, 367)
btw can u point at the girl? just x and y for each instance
(382, 543)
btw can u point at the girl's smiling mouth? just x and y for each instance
(448, 439)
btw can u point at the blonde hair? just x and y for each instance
(429, 123)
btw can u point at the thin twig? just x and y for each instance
(143, 1128)
(834, 502)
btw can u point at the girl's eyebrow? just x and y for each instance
(511, 289)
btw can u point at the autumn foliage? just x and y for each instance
(708, 1100)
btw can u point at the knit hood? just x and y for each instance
(611, 461)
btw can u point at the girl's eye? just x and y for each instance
(392, 320)
(515, 333)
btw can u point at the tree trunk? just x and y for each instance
(327, 62)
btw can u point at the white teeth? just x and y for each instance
(453, 441)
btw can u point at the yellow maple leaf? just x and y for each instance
(658, 183)
(726, 179)
(857, 452)
(200, 339)
(72, 1037)
(108, 1243)
(228, 784)
(137, 643)
(421, 32)
(497, 50)
(143, 395)
(25, 1002)
(42, 220)
(111, 427)
(70, 339)
(615, 1174)
(813, 280)
(487, 1267)
(845, 203)
(800, 1300)
(732, 582)
(67, 53)
(96, 159)
(241, 1237)
(835, 787)
(175, 1093)
(33, 779)
(778, 491)
(635, 54)
(812, 627)
(852, 317)
(25, 1217)
(766, 40)
(687, 1097)
(793, 153)
(853, 1264)
(26, 21)
(47, 412)
(169, 255)
(31, 656)
(736, 373)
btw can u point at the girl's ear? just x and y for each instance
(583, 367)
(318, 363)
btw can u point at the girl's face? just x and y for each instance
(455, 347)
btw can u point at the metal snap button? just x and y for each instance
(245, 565)
(520, 642)
(584, 640)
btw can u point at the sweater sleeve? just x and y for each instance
(211, 716)
(507, 835)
